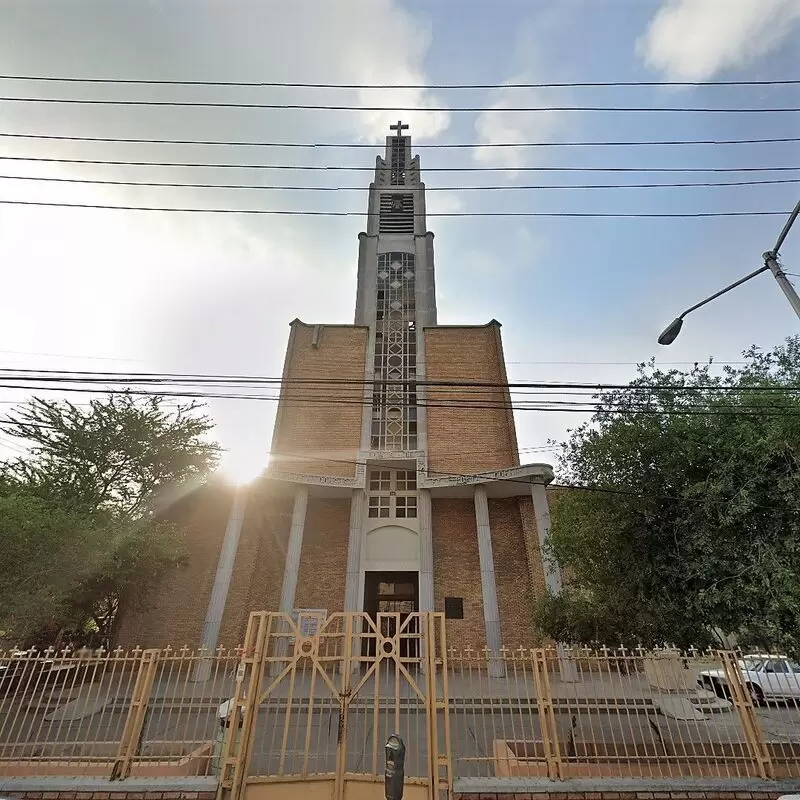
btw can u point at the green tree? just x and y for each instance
(83, 506)
(688, 519)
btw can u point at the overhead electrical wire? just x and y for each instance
(746, 411)
(84, 101)
(417, 146)
(7, 373)
(507, 187)
(363, 168)
(305, 213)
(434, 86)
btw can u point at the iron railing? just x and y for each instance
(112, 713)
(309, 701)
(622, 713)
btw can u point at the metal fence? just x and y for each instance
(112, 713)
(339, 691)
(563, 713)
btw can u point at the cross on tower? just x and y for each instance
(399, 128)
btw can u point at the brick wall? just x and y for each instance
(512, 576)
(258, 569)
(456, 569)
(323, 558)
(461, 439)
(325, 436)
(167, 618)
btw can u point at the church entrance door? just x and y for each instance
(395, 595)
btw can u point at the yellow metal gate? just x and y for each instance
(316, 699)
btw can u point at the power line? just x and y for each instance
(7, 373)
(508, 187)
(395, 109)
(422, 146)
(56, 379)
(293, 213)
(436, 86)
(747, 411)
(362, 168)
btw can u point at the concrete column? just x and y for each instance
(352, 602)
(425, 550)
(222, 582)
(552, 573)
(541, 510)
(292, 567)
(290, 572)
(352, 594)
(491, 612)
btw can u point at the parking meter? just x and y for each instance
(395, 768)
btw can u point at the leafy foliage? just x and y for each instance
(79, 526)
(689, 520)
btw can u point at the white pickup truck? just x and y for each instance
(767, 677)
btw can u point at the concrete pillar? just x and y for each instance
(541, 510)
(293, 548)
(352, 601)
(352, 594)
(567, 668)
(491, 611)
(290, 572)
(425, 550)
(222, 582)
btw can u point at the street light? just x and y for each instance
(771, 263)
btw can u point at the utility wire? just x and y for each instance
(511, 187)
(437, 86)
(7, 373)
(754, 411)
(361, 168)
(291, 213)
(395, 109)
(422, 146)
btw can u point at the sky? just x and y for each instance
(580, 299)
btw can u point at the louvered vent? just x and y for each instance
(397, 213)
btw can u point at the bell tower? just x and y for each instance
(396, 299)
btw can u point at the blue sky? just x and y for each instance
(113, 290)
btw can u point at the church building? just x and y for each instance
(394, 481)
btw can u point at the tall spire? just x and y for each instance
(396, 296)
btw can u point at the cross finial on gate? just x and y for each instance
(400, 127)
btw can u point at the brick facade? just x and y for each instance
(457, 570)
(460, 440)
(463, 439)
(323, 558)
(258, 570)
(167, 618)
(319, 423)
(515, 595)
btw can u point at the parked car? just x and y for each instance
(767, 677)
(34, 670)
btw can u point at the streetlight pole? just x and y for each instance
(771, 263)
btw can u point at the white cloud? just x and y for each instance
(195, 293)
(513, 127)
(696, 39)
